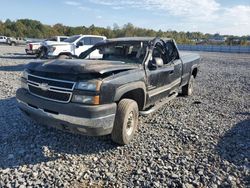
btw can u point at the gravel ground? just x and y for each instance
(198, 141)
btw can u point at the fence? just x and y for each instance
(215, 48)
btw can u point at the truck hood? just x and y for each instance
(76, 67)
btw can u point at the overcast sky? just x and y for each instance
(207, 16)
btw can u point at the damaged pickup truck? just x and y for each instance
(105, 90)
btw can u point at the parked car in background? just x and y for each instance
(32, 48)
(38, 48)
(3, 39)
(104, 95)
(16, 41)
(73, 46)
(42, 51)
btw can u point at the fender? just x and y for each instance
(188, 75)
(65, 53)
(120, 91)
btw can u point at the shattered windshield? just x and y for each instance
(127, 52)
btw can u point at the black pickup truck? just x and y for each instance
(105, 90)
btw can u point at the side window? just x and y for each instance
(95, 40)
(159, 52)
(86, 41)
(62, 39)
(171, 51)
(51, 39)
(1, 37)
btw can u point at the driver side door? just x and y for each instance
(82, 45)
(159, 79)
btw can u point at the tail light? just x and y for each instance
(30, 46)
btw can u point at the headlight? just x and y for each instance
(89, 86)
(86, 99)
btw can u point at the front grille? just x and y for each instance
(51, 82)
(51, 89)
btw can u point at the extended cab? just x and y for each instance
(73, 46)
(104, 94)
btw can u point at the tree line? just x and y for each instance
(35, 29)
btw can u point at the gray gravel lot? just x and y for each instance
(199, 141)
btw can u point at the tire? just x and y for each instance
(38, 55)
(126, 122)
(13, 44)
(187, 90)
(41, 54)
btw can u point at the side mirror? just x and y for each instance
(79, 44)
(155, 63)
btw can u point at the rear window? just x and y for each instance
(63, 38)
(51, 39)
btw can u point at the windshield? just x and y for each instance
(72, 39)
(127, 52)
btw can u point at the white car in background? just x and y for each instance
(73, 46)
(36, 47)
(3, 39)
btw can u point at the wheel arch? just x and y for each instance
(135, 91)
(194, 71)
(65, 53)
(13, 42)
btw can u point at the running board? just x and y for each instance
(159, 105)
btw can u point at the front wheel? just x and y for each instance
(126, 122)
(42, 53)
(188, 89)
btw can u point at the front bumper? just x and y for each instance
(76, 118)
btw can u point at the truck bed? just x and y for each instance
(188, 57)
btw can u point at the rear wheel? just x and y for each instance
(188, 89)
(126, 121)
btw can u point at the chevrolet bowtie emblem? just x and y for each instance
(44, 86)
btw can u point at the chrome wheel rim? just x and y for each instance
(130, 124)
(190, 88)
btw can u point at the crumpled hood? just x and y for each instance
(76, 66)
